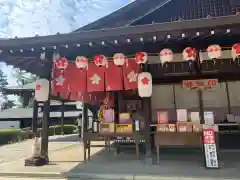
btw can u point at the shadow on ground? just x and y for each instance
(172, 164)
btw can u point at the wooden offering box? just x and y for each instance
(124, 128)
(106, 127)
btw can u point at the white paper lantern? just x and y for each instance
(81, 62)
(235, 51)
(145, 84)
(141, 57)
(42, 90)
(100, 60)
(214, 51)
(166, 55)
(189, 54)
(119, 59)
(61, 63)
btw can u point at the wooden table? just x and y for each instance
(177, 139)
(89, 136)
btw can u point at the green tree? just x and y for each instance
(5, 102)
(23, 78)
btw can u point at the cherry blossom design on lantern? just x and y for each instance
(38, 87)
(61, 63)
(100, 60)
(81, 62)
(145, 84)
(95, 79)
(119, 59)
(60, 80)
(189, 54)
(145, 81)
(214, 51)
(235, 51)
(166, 55)
(132, 77)
(141, 57)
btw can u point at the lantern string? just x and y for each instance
(132, 56)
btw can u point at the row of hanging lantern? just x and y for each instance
(166, 55)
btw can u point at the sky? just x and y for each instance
(25, 18)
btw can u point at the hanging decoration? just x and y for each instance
(214, 51)
(235, 51)
(113, 77)
(141, 57)
(56, 56)
(145, 84)
(61, 63)
(100, 60)
(189, 54)
(81, 62)
(166, 55)
(119, 59)
(42, 90)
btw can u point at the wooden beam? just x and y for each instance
(62, 117)
(35, 117)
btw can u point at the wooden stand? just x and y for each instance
(89, 136)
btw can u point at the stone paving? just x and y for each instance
(66, 156)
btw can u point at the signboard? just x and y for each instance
(182, 115)
(195, 117)
(162, 117)
(208, 117)
(211, 159)
(200, 84)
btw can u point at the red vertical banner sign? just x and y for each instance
(76, 78)
(130, 74)
(113, 77)
(95, 78)
(59, 81)
(211, 157)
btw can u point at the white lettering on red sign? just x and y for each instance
(208, 136)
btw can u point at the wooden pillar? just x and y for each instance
(147, 110)
(228, 98)
(201, 106)
(147, 113)
(84, 118)
(46, 113)
(84, 130)
(62, 116)
(35, 117)
(44, 142)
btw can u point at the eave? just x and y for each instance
(78, 42)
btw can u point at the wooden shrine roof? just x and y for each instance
(125, 15)
(24, 53)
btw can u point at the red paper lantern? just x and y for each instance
(141, 58)
(214, 51)
(119, 59)
(236, 50)
(81, 62)
(189, 54)
(100, 60)
(61, 63)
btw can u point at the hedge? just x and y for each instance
(15, 135)
(56, 130)
(12, 135)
